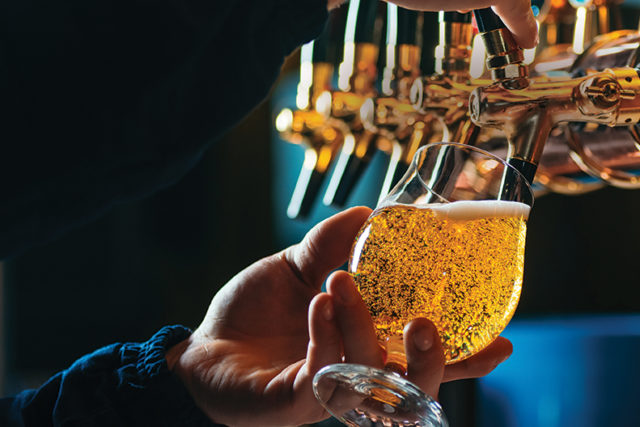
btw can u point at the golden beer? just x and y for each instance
(459, 264)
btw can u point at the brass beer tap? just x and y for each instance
(557, 22)
(357, 76)
(527, 109)
(399, 129)
(594, 18)
(446, 93)
(556, 31)
(569, 27)
(572, 127)
(309, 126)
(561, 169)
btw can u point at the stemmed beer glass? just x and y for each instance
(447, 243)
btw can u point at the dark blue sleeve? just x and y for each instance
(120, 385)
(106, 101)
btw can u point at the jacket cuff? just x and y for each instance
(159, 396)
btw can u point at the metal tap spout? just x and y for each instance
(309, 125)
(357, 76)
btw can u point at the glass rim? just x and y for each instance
(473, 148)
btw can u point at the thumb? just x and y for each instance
(326, 246)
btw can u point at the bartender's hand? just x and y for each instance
(516, 14)
(270, 329)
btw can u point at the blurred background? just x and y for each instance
(160, 260)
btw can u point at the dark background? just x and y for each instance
(160, 260)
(147, 264)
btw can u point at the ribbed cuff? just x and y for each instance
(155, 395)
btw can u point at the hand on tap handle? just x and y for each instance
(516, 14)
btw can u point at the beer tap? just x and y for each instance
(569, 27)
(602, 46)
(556, 25)
(561, 168)
(445, 94)
(399, 129)
(308, 125)
(580, 158)
(593, 18)
(556, 34)
(526, 109)
(573, 131)
(357, 76)
(610, 155)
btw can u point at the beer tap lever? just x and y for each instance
(392, 116)
(356, 80)
(487, 20)
(308, 126)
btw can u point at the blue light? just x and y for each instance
(536, 10)
(566, 371)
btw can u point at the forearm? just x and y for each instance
(122, 384)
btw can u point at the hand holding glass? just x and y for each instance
(447, 244)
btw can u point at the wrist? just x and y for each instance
(187, 362)
(146, 384)
(175, 352)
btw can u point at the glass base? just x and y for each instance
(362, 396)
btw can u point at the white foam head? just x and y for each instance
(465, 210)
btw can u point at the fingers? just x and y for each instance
(326, 247)
(426, 363)
(519, 19)
(425, 356)
(482, 363)
(359, 340)
(325, 343)
(339, 324)
(325, 348)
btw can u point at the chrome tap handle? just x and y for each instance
(366, 30)
(328, 46)
(487, 20)
(402, 62)
(462, 18)
(409, 27)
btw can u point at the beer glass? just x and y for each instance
(447, 243)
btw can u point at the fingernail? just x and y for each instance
(347, 294)
(423, 339)
(327, 311)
